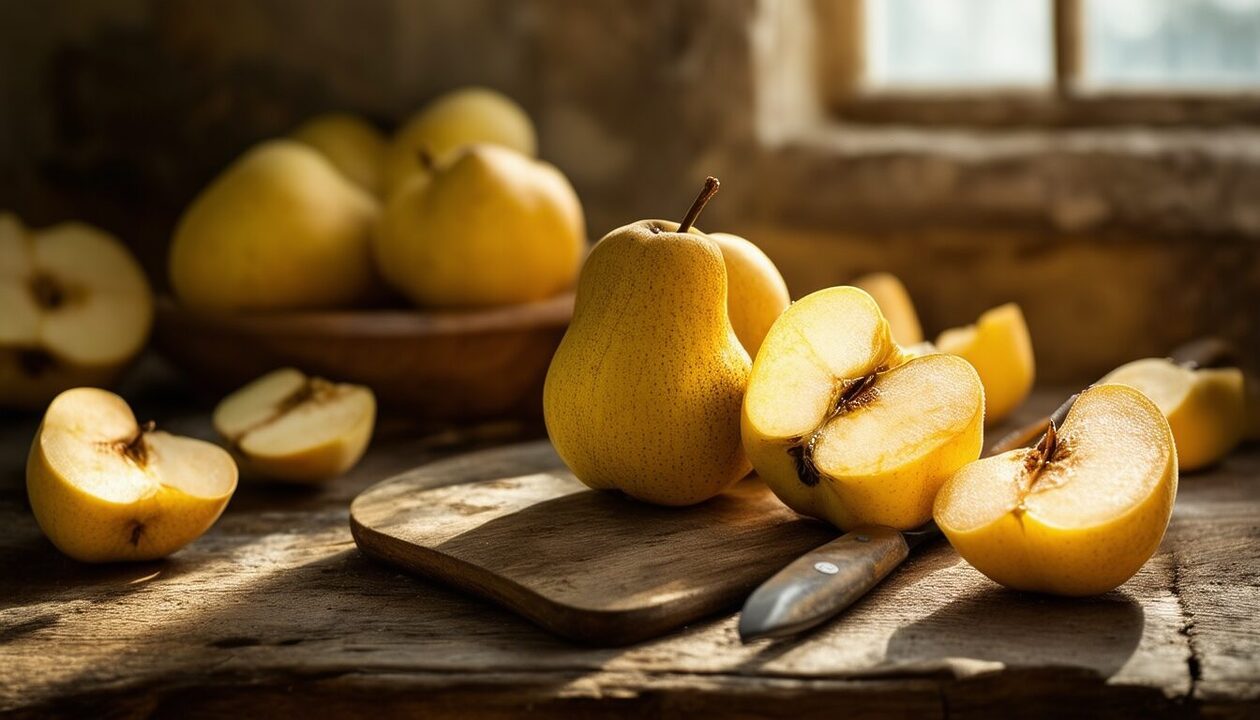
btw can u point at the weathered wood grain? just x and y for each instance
(594, 567)
(275, 610)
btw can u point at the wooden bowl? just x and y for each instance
(435, 365)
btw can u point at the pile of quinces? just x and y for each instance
(454, 212)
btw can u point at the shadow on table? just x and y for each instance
(1019, 629)
(36, 572)
(931, 559)
(339, 613)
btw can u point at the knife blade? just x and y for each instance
(828, 579)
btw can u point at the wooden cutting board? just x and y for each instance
(512, 524)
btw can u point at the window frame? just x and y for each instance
(1068, 103)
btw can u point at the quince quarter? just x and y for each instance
(105, 488)
(290, 427)
(1206, 407)
(1078, 514)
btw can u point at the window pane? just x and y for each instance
(1172, 42)
(958, 42)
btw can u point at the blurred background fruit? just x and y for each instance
(1120, 222)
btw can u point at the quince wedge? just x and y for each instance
(105, 488)
(1206, 407)
(1079, 513)
(1000, 348)
(291, 427)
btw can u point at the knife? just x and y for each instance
(823, 582)
(827, 580)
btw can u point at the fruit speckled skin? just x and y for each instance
(757, 294)
(644, 392)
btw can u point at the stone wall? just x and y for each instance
(1118, 242)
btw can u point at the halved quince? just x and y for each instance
(1079, 513)
(288, 426)
(75, 308)
(843, 427)
(105, 488)
(1206, 407)
(1000, 348)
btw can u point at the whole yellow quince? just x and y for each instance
(491, 227)
(463, 117)
(757, 294)
(643, 394)
(352, 145)
(280, 229)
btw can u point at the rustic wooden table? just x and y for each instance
(276, 613)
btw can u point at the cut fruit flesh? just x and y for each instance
(813, 377)
(1164, 382)
(1206, 408)
(92, 439)
(290, 426)
(899, 423)
(258, 402)
(1106, 459)
(1076, 515)
(844, 426)
(104, 489)
(73, 292)
(328, 415)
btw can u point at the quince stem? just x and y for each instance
(710, 189)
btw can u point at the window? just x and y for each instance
(1172, 43)
(935, 43)
(1043, 62)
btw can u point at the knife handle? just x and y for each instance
(822, 582)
